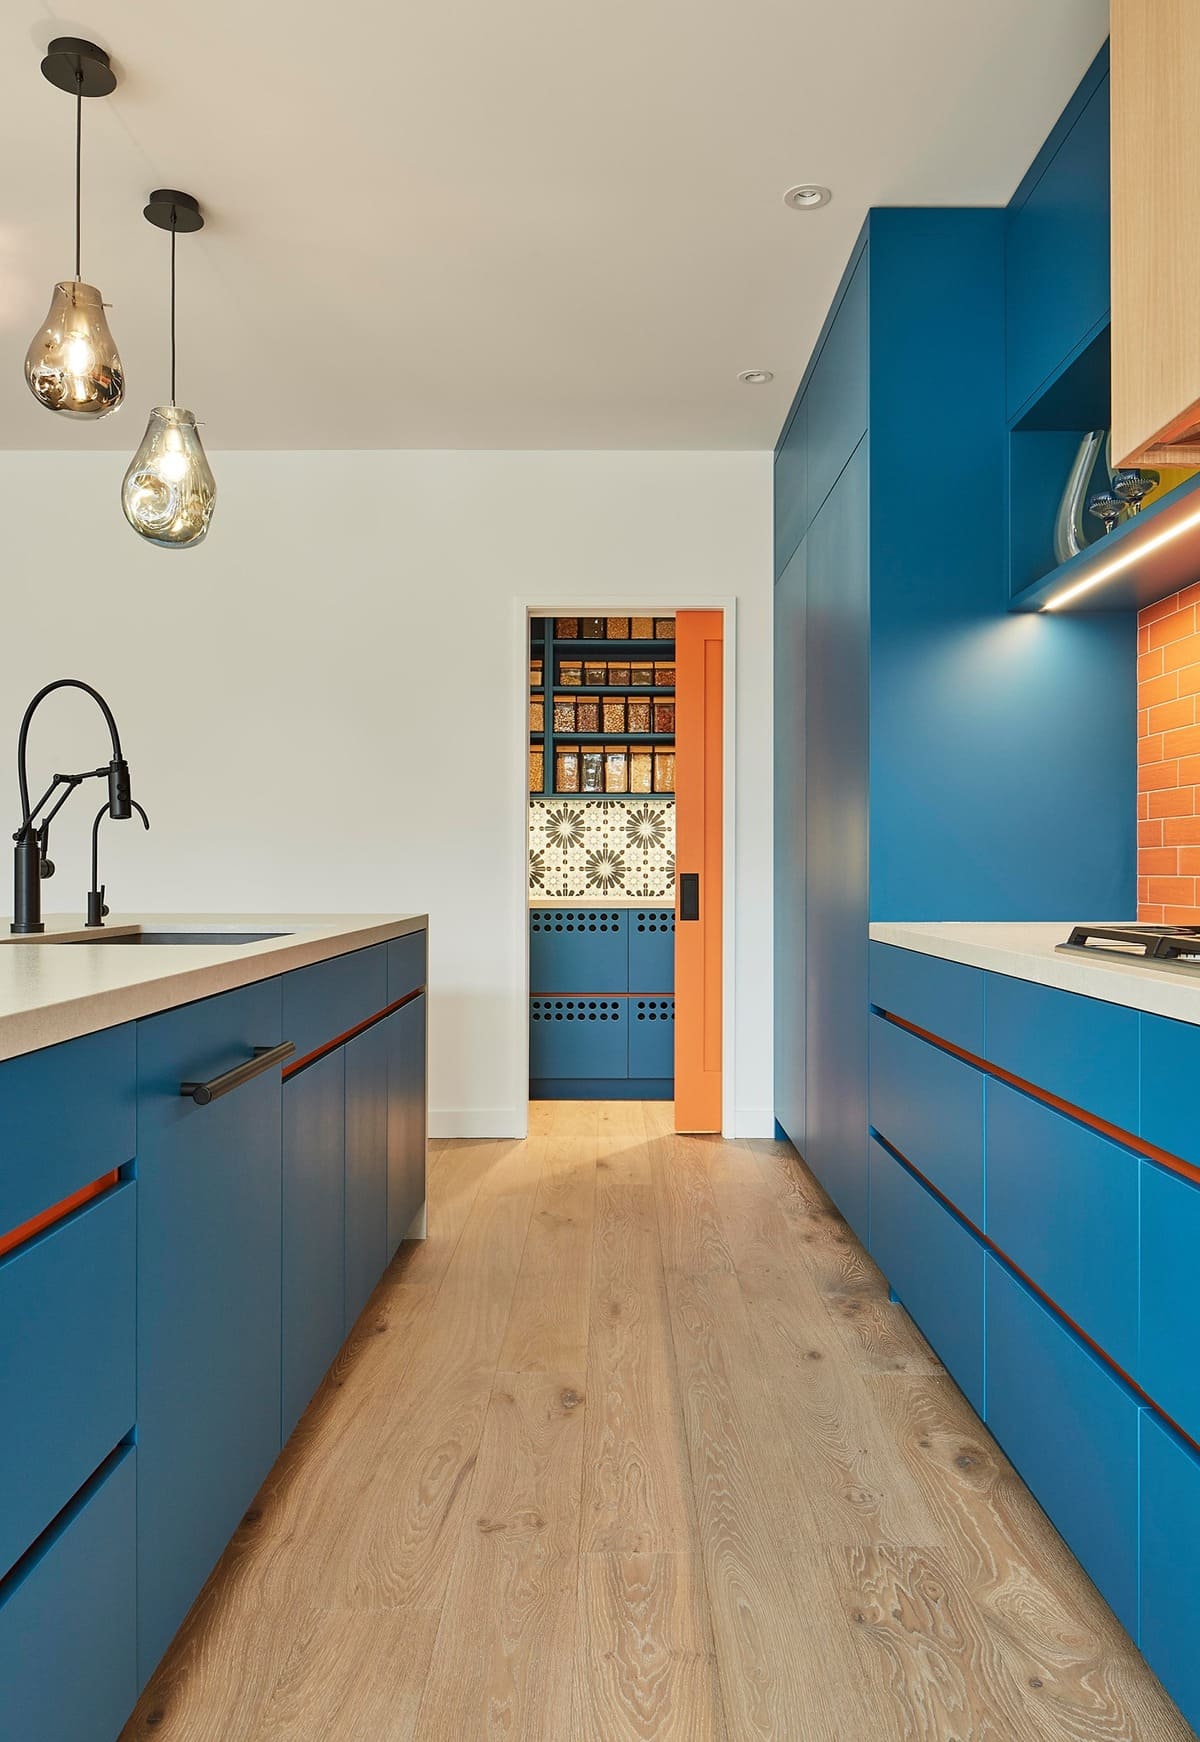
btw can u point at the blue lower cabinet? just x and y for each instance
(406, 965)
(1167, 1367)
(324, 1002)
(1071, 1429)
(651, 949)
(579, 949)
(944, 998)
(405, 1039)
(1170, 1069)
(68, 1670)
(578, 1037)
(934, 1265)
(314, 1229)
(929, 1106)
(1170, 1553)
(67, 1362)
(366, 1166)
(1080, 1049)
(209, 1281)
(1062, 1203)
(651, 1037)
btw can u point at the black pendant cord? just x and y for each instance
(173, 234)
(78, 165)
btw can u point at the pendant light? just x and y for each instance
(72, 365)
(169, 490)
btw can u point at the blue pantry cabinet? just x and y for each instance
(158, 1342)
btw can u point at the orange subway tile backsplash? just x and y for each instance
(1168, 754)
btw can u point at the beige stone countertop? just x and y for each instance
(52, 989)
(602, 901)
(1030, 952)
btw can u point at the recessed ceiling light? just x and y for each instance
(756, 377)
(807, 197)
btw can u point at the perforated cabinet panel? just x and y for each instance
(651, 949)
(578, 1037)
(651, 1037)
(584, 949)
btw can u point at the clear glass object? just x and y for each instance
(72, 364)
(169, 491)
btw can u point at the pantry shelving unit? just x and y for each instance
(553, 652)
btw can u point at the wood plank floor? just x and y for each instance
(634, 1447)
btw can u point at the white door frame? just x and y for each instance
(622, 605)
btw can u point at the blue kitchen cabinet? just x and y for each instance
(928, 1105)
(405, 1031)
(366, 1058)
(791, 488)
(1080, 1049)
(322, 1003)
(1170, 1520)
(601, 1010)
(1062, 1204)
(1057, 244)
(1170, 1071)
(578, 1037)
(67, 1362)
(791, 604)
(651, 949)
(579, 949)
(407, 965)
(837, 389)
(209, 1289)
(1071, 1429)
(314, 1229)
(1167, 1365)
(651, 1028)
(934, 1265)
(943, 998)
(68, 1670)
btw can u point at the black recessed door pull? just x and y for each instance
(265, 1057)
(689, 895)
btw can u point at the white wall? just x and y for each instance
(320, 705)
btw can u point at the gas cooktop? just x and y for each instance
(1157, 944)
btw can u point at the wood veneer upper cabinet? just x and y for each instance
(1155, 240)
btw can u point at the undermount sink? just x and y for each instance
(175, 937)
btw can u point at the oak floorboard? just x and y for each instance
(548, 1321)
(645, 1664)
(689, 1222)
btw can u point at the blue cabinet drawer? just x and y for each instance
(1071, 1429)
(314, 1229)
(1167, 1367)
(407, 1121)
(651, 949)
(1062, 1203)
(578, 1037)
(929, 1106)
(1079, 1049)
(944, 998)
(67, 1117)
(579, 949)
(366, 1165)
(934, 1265)
(836, 396)
(330, 998)
(1170, 1554)
(1170, 1072)
(1057, 254)
(68, 1621)
(406, 965)
(67, 1362)
(651, 1037)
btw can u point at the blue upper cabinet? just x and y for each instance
(837, 391)
(1058, 244)
(791, 487)
(791, 603)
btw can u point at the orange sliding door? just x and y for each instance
(699, 738)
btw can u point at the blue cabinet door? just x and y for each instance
(836, 397)
(1071, 1429)
(406, 1119)
(651, 949)
(1170, 1554)
(836, 803)
(209, 1228)
(578, 949)
(791, 599)
(1170, 1071)
(791, 487)
(1167, 1368)
(324, 1002)
(934, 1266)
(314, 1229)
(929, 1105)
(1058, 254)
(651, 1037)
(366, 1166)
(1062, 1203)
(1080, 1049)
(68, 1622)
(943, 998)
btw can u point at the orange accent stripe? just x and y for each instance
(1114, 1132)
(1049, 1300)
(56, 1212)
(290, 1069)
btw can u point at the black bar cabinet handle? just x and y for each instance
(264, 1058)
(689, 895)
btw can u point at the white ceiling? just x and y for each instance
(497, 223)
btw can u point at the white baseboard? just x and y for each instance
(478, 1121)
(754, 1122)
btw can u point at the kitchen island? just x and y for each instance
(1034, 1192)
(209, 1153)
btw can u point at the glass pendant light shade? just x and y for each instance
(169, 491)
(73, 365)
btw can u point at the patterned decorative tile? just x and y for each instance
(602, 847)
